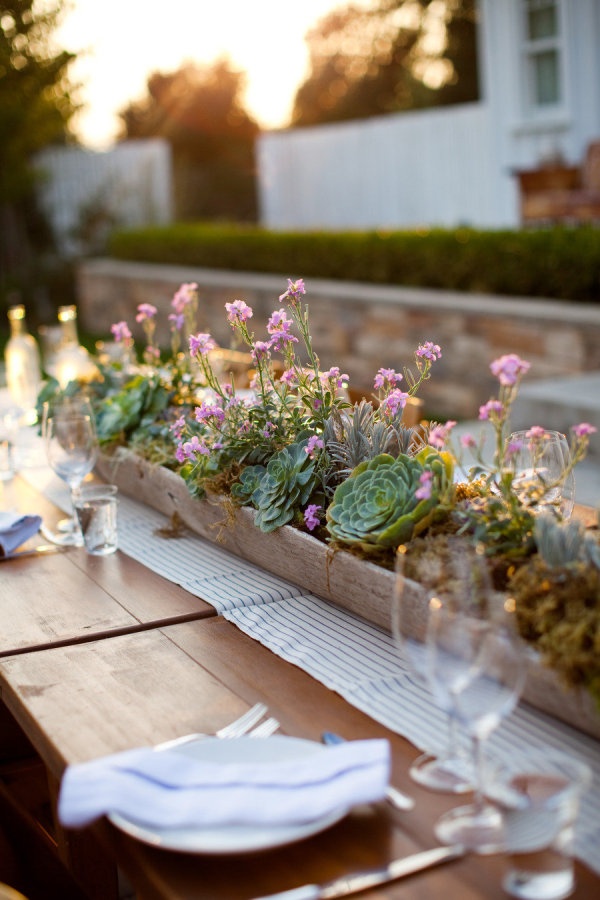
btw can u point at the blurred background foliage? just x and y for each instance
(560, 262)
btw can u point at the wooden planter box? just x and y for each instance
(338, 577)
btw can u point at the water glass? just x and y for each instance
(540, 467)
(96, 509)
(9, 426)
(539, 801)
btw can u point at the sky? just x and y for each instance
(122, 41)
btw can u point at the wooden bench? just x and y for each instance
(562, 194)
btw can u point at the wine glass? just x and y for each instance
(449, 771)
(63, 404)
(71, 449)
(477, 666)
(539, 459)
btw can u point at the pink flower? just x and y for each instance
(536, 433)
(394, 401)
(439, 434)
(145, 311)
(584, 430)
(313, 444)
(209, 411)
(386, 378)
(238, 311)
(493, 409)
(333, 375)
(294, 291)
(429, 351)
(177, 427)
(311, 516)
(425, 480)
(201, 343)
(176, 321)
(513, 448)
(260, 350)
(467, 440)
(194, 447)
(120, 332)
(185, 295)
(288, 377)
(509, 368)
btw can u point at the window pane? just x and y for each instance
(545, 77)
(541, 21)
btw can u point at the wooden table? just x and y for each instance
(79, 695)
(69, 597)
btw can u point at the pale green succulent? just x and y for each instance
(562, 544)
(278, 489)
(377, 507)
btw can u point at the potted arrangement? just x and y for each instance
(287, 469)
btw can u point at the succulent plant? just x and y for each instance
(562, 544)
(358, 434)
(279, 488)
(377, 506)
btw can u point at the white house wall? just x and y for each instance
(423, 168)
(446, 166)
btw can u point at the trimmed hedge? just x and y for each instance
(562, 263)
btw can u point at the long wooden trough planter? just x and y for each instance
(338, 577)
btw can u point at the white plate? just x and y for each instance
(234, 838)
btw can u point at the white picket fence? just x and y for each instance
(423, 168)
(85, 193)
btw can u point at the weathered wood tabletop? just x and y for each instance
(89, 699)
(96, 663)
(72, 596)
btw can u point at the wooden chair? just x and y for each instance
(557, 193)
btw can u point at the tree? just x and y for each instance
(36, 105)
(199, 111)
(390, 56)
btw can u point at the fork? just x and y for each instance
(233, 729)
(265, 729)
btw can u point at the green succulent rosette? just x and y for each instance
(377, 506)
(278, 489)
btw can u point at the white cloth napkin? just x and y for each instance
(15, 529)
(168, 789)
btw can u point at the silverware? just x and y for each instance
(362, 881)
(41, 549)
(234, 729)
(393, 796)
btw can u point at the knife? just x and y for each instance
(397, 799)
(34, 551)
(362, 881)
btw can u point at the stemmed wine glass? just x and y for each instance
(72, 448)
(539, 459)
(477, 666)
(449, 771)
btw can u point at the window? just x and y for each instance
(542, 52)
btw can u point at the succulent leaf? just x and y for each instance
(280, 487)
(377, 505)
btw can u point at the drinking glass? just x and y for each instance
(71, 449)
(477, 666)
(449, 771)
(62, 404)
(539, 796)
(539, 466)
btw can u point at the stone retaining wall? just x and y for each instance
(360, 327)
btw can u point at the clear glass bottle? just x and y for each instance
(72, 361)
(23, 367)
